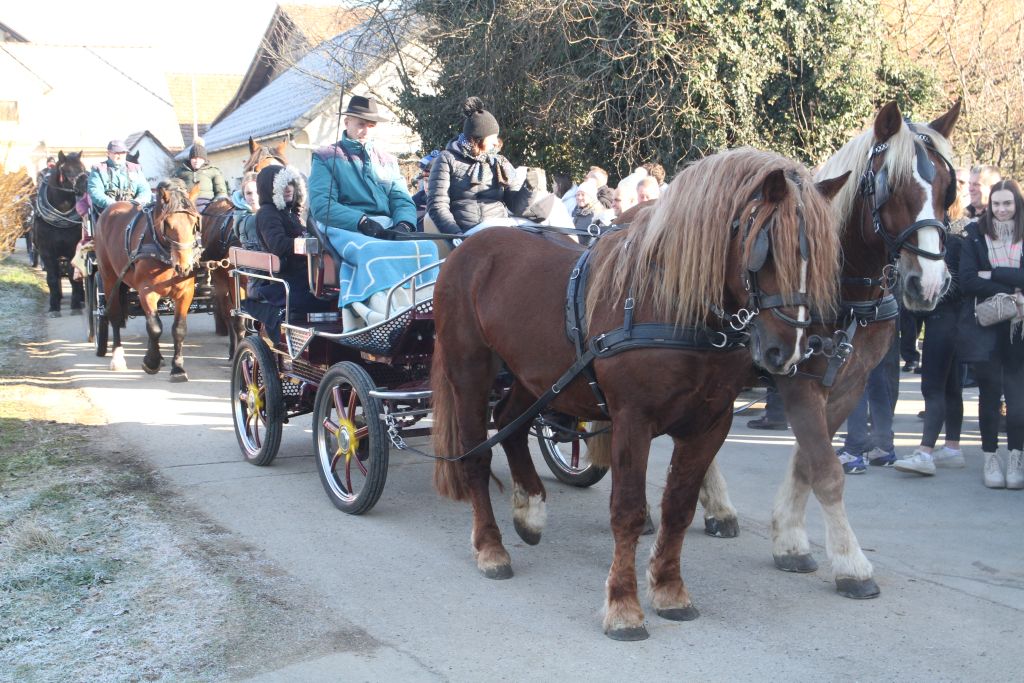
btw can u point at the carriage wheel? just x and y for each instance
(91, 298)
(99, 328)
(349, 439)
(568, 459)
(257, 404)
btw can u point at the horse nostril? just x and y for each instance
(774, 356)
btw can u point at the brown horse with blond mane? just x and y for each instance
(153, 250)
(891, 221)
(735, 232)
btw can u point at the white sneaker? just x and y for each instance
(1015, 470)
(947, 457)
(918, 463)
(993, 471)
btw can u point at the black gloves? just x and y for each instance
(372, 228)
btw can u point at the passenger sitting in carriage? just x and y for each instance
(115, 180)
(470, 182)
(197, 170)
(282, 197)
(360, 199)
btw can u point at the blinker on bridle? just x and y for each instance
(875, 188)
(757, 300)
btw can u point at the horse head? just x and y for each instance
(908, 187)
(783, 263)
(70, 173)
(261, 156)
(177, 223)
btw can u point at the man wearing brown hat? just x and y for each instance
(115, 181)
(359, 196)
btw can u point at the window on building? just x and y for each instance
(9, 110)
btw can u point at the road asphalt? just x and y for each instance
(948, 554)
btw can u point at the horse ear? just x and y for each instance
(194, 192)
(60, 156)
(944, 124)
(830, 188)
(774, 188)
(281, 148)
(165, 194)
(252, 145)
(888, 121)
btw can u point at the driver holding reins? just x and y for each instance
(115, 180)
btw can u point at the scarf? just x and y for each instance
(1003, 252)
(476, 173)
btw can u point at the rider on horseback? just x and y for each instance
(115, 180)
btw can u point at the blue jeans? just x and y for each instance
(879, 398)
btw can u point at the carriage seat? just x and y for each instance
(248, 259)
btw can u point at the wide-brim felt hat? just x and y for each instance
(364, 108)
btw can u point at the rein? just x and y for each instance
(52, 215)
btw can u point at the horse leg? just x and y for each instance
(460, 423)
(719, 514)
(690, 458)
(77, 286)
(631, 443)
(529, 513)
(815, 467)
(178, 332)
(117, 362)
(51, 264)
(152, 361)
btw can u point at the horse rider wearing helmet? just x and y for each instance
(115, 180)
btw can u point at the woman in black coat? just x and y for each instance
(990, 264)
(469, 181)
(282, 193)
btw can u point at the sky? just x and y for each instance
(203, 36)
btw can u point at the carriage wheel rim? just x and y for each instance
(335, 459)
(251, 410)
(569, 462)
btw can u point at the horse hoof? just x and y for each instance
(150, 371)
(179, 376)
(54, 314)
(529, 536)
(722, 528)
(800, 564)
(688, 613)
(501, 572)
(857, 589)
(630, 634)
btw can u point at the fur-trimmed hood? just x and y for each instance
(272, 180)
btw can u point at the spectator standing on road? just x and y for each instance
(875, 446)
(982, 178)
(605, 194)
(625, 199)
(648, 189)
(990, 264)
(940, 378)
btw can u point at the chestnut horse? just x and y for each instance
(891, 220)
(735, 231)
(153, 250)
(219, 235)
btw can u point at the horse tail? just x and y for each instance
(450, 478)
(599, 447)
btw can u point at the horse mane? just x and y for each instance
(177, 202)
(674, 255)
(899, 163)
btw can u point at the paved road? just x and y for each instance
(948, 555)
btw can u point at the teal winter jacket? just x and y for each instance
(109, 183)
(350, 180)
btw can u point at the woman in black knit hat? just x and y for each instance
(470, 181)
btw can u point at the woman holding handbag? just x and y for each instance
(990, 269)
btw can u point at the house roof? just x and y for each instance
(76, 96)
(9, 34)
(295, 97)
(134, 139)
(292, 32)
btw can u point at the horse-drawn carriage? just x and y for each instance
(367, 389)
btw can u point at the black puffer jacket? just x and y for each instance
(975, 343)
(462, 191)
(277, 226)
